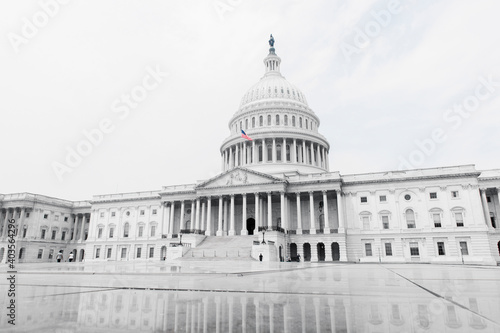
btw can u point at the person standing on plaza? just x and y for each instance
(59, 256)
(70, 258)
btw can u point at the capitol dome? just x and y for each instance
(282, 128)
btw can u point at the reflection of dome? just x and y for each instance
(284, 130)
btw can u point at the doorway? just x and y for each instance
(321, 251)
(307, 252)
(335, 251)
(250, 226)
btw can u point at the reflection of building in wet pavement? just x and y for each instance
(376, 302)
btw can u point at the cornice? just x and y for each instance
(416, 178)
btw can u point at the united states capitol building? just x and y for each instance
(275, 197)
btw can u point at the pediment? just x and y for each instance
(239, 176)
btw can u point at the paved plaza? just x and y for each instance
(249, 296)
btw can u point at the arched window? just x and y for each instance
(269, 153)
(269, 120)
(278, 153)
(288, 153)
(306, 125)
(126, 229)
(286, 120)
(300, 122)
(261, 121)
(293, 121)
(410, 218)
(253, 122)
(277, 119)
(260, 153)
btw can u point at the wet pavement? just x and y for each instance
(248, 296)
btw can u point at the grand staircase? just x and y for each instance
(222, 248)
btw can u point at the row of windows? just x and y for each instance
(126, 231)
(414, 249)
(408, 197)
(56, 217)
(436, 214)
(123, 253)
(141, 212)
(278, 120)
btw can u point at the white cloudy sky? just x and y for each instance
(374, 104)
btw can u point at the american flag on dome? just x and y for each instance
(245, 136)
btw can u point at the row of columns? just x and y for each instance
(242, 154)
(198, 315)
(486, 210)
(201, 214)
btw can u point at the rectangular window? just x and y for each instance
(437, 220)
(459, 218)
(488, 199)
(51, 253)
(154, 212)
(99, 233)
(441, 250)
(139, 252)
(153, 230)
(108, 255)
(27, 214)
(368, 249)
(414, 249)
(113, 214)
(151, 252)
(366, 223)
(43, 234)
(464, 249)
(383, 198)
(65, 219)
(56, 217)
(63, 235)
(433, 195)
(45, 216)
(364, 199)
(385, 222)
(454, 194)
(124, 252)
(40, 254)
(111, 232)
(97, 252)
(141, 230)
(142, 212)
(101, 214)
(53, 234)
(25, 231)
(388, 249)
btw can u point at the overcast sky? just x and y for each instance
(382, 76)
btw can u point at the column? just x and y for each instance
(193, 218)
(486, 209)
(197, 216)
(340, 209)
(182, 222)
(164, 223)
(231, 161)
(83, 227)
(237, 156)
(325, 215)
(172, 214)
(203, 216)
(208, 231)
(243, 301)
(205, 315)
(224, 226)
(223, 162)
(269, 210)
(4, 227)
(257, 214)
(254, 158)
(264, 151)
(323, 150)
(312, 154)
(244, 230)
(304, 152)
(282, 204)
(231, 217)
(244, 155)
(326, 160)
(318, 155)
(312, 225)
(294, 153)
(299, 216)
(19, 231)
(274, 150)
(219, 227)
(283, 152)
(72, 226)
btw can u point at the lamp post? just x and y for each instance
(263, 233)
(180, 239)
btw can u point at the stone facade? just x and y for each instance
(279, 182)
